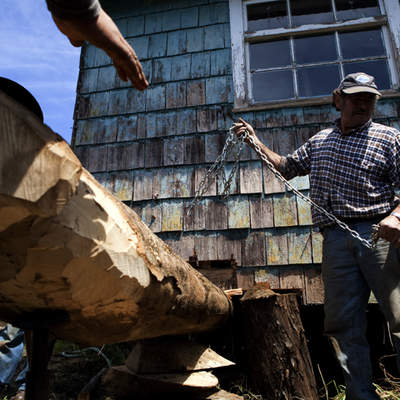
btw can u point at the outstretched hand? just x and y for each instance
(104, 34)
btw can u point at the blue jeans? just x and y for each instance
(11, 354)
(350, 271)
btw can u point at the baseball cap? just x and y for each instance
(357, 83)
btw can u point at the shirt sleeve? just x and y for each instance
(74, 9)
(395, 161)
(297, 163)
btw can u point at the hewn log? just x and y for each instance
(221, 395)
(173, 354)
(122, 383)
(277, 358)
(68, 244)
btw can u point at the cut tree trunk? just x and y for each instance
(277, 358)
(67, 244)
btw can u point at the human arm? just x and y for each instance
(389, 227)
(95, 26)
(295, 164)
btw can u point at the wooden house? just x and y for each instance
(272, 62)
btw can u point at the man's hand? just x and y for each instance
(241, 127)
(104, 34)
(389, 229)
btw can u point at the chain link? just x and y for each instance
(233, 146)
(217, 169)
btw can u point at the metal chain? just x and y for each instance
(217, 167)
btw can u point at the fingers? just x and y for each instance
(241, 127)
(127, 64)
(389, 229)
(130, 68)
(390, 236)
(104, 34)
(241, 124)
(241, 130)
(121, 73)
(136, 75)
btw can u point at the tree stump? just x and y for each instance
(277, 357)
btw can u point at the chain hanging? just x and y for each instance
(234, 145)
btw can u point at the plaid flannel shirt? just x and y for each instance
(352, 175)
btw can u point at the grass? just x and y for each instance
(388, 392)
(241, 388)
(384, 394)
(389, 389)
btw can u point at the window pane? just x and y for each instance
(272, 14)
(269, 54)
(377, 68)
(311, 11)
(317, 81)
(272, 85)
(354, 9)
(305, 49)
(362, 44)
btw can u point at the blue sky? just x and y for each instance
(37, 56)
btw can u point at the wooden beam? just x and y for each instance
(67, 244)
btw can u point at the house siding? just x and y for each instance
(152, 148)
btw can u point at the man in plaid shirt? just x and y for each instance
(354, 168)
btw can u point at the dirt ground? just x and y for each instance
(72, 367)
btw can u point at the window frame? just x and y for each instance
(240, 38)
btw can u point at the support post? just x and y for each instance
(37, 380)
(39, 347)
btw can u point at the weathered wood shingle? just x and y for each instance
(216, 215)
(253, 249)
(251, 177)
(277, 247)
(285, 209)
(143, 185)
(238, 212)
(261, 212)
(152, 148)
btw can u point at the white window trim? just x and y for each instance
(240, 56)
(392, 8)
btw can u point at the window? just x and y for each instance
(291, 50)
